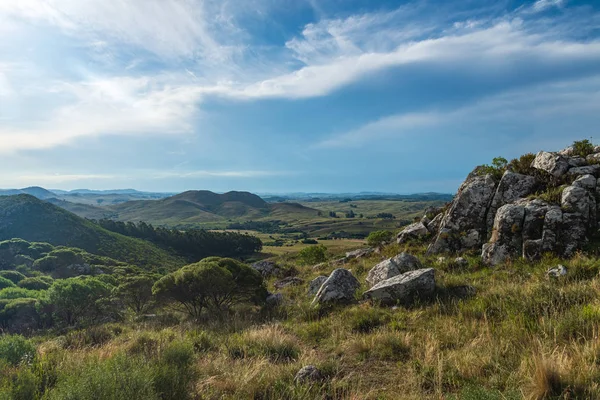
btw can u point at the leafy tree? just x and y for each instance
(34, 284)
(75, 300)
(136, 293)
(313, 255)
(497, 169)
(12, 276)
(213, 283)
(378, 238)
(5, 283)
(384, 215)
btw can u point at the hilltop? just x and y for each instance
(26, 217)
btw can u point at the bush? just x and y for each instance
(582, 148)
(20, 293)
(312, 255)
(173, 372)
(34, 284)
(378, 238)
(15, 348)
(5, 283)
(13, 276)
(269, 342)
(213, 283)
(522, 165)
(76, 300)
(497, 169)
(91, 337)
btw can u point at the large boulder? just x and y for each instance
(434, 225)
(315, 285)
(360, 253)
(585, 170)
(576, 199)
(340, 287)
(464, 225)
(389, 268)
(412, 231)
(404, 288)
(552, 163)
(587, 182)
(512, 187)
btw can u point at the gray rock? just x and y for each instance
(340, 287)
(512, 187)
(506, 239)
(289, 281)
(464, 225)
(389, 268)
(567, 152)
(576, 199)
(412, 231)
(274, 299)
(434, 224)
(552, 163)
(360, 253)
(315, 285)
(587, 182)
(558, 271)
(460, 261)
(577, 162)
(308, 373)
(267, 268)
(586, 170)
(593, 158)
(573, 233)
(403, 288)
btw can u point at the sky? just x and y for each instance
(289, 95)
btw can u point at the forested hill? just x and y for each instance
(25, 216)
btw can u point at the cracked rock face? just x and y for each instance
(464, 225)
(412, 231)
(315, 285)
(552, 163)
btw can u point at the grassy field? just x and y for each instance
(521, 335)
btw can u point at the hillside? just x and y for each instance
(36, 191)
(26, 217)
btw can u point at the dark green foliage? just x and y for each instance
(13, 276)
(5, 283)
(78, 300)
(194, 244)
(31, 219)
(135, 293)
(34, 284)
(15, 349)
(20, 293)
(384, 215)
(313, 255)
(90, 337)
(497, 169)
(582, 148)
(378, 238)
(173, 372)
(522, 165)
(213, 283)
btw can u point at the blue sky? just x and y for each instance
(289, 95)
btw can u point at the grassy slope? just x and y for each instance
(31, 219)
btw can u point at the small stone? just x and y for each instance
(289, 281)
(558, 271)
(460, 261)
(308, 373)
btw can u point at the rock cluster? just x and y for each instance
(507, 218)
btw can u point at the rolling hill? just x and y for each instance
(26, 217)
(36, 191)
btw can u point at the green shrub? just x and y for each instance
(312, 255)
(582, 148)
(20, 293)
(552, 195)
(34, 284)
(378, 238)
(15, 348)
(91, 337)
(522, 165)
(13, 276)
(269, 342)
(118, 378)
(5, 283)
(497, 169)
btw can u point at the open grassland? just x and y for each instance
(521, 335)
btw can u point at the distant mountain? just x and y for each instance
(36, 191)
(307, 197)
(27, 217)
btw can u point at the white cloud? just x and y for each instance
(542, 5)
(216, 174)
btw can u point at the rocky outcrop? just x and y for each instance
(289, 281)
(340, 287)
(391, 267)
(412, 231)
(504, 219)
(464, 225)
(315, 285)
(403, 288)
(267, 268)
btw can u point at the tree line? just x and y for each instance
(193, 244)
